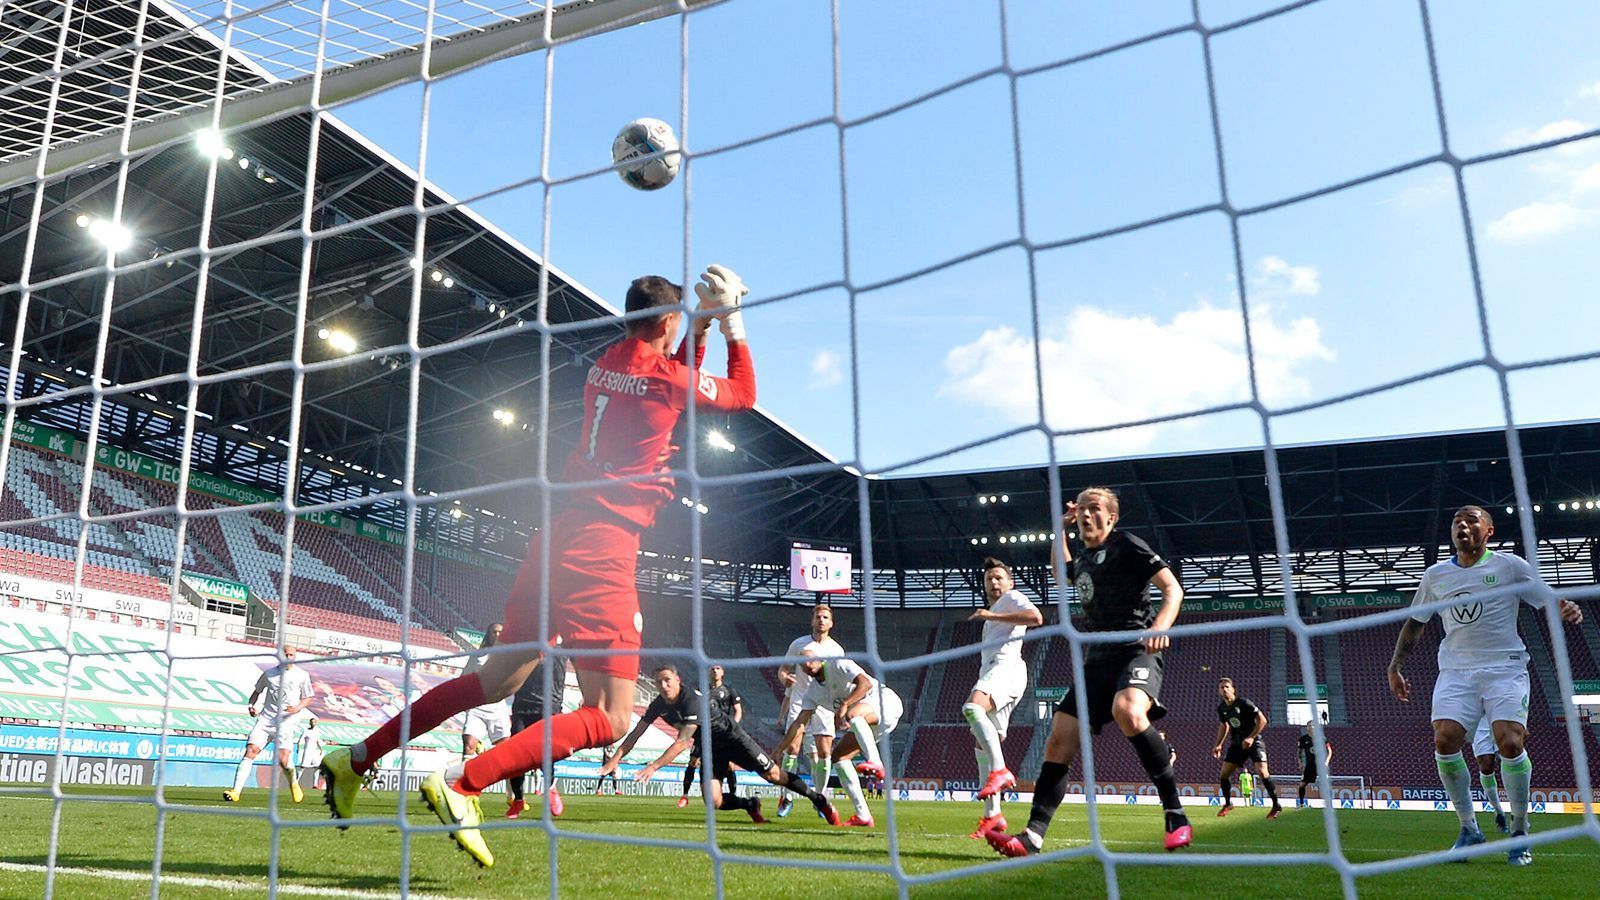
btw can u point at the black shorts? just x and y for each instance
(1103, 679)
(737, 747)
(1238, 755)
(523, 721)
(1309, 775)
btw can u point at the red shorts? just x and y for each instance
(594, 600)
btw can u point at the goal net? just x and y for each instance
(300, 298)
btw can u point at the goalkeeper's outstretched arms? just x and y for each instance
(720, 291)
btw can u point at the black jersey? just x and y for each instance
(1240, 716)
(726, 698)
(686, 711)
(1113, 585)
(529, 700)
(1308, 760)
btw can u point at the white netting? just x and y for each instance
(100, 90)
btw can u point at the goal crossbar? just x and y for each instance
(448, 55)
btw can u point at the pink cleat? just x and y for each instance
(988, 824)
(999, 780)
(1179, 837)
(755, 814)
(870, 768)
(829, 814)
(683, 801)
(557, 805)
(515, 807)
(1226, 808)
(857, 821)
(1007, 844)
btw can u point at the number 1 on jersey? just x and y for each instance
(600, 401)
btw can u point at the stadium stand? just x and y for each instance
(340, 582)
(353, 585)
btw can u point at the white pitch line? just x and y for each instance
(249, 887)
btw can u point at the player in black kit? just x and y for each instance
(528, 708)
(1121, 681)
(679, 707)
(1309, 763)
(1244, 721)
(724, 696)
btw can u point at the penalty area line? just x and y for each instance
(224, 884)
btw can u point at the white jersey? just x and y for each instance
(278, 694)
(837, 682)
(802, 681)
(1480, 633)
(310, 748)
(1009, 654)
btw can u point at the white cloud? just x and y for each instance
(1587, 179)
(1549, 131)
(1589, 91)
(1536, 221)
(1102, 367)
(1275, 276)
(827, 369)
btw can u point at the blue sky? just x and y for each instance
(1346, 291)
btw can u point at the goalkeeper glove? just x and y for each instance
(721, 288)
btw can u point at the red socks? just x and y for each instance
(431, 709)
(584, 727)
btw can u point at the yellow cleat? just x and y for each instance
(343, 784)
(295, 792)
(230, 795)
(454, 808)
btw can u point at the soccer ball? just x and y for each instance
(641, 138)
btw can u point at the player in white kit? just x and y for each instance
(863, 709)
(1483, 665)
(308, 753)
(490, 723)
(1002, 680)
(288, 693)
(1488, 764)
(817, 742)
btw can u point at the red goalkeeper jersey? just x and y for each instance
(632, 399)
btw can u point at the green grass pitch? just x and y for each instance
(211, 849)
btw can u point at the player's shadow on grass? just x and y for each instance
(311, 878)
(856, 846)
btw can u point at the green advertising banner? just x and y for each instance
(1588, 686)
(44, 438)
(217, 588)
(120, 677)
(1298, 691)
(1049, 693)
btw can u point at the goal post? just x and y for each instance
(1350, 792)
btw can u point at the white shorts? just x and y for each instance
(287, 737)
(1483, 740)
(889, 715)
(821, 722)
(1006, 687)
(1468, 696)
(491, 726)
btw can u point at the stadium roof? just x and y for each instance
(480, 290)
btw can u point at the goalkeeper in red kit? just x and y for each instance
(632, 399)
